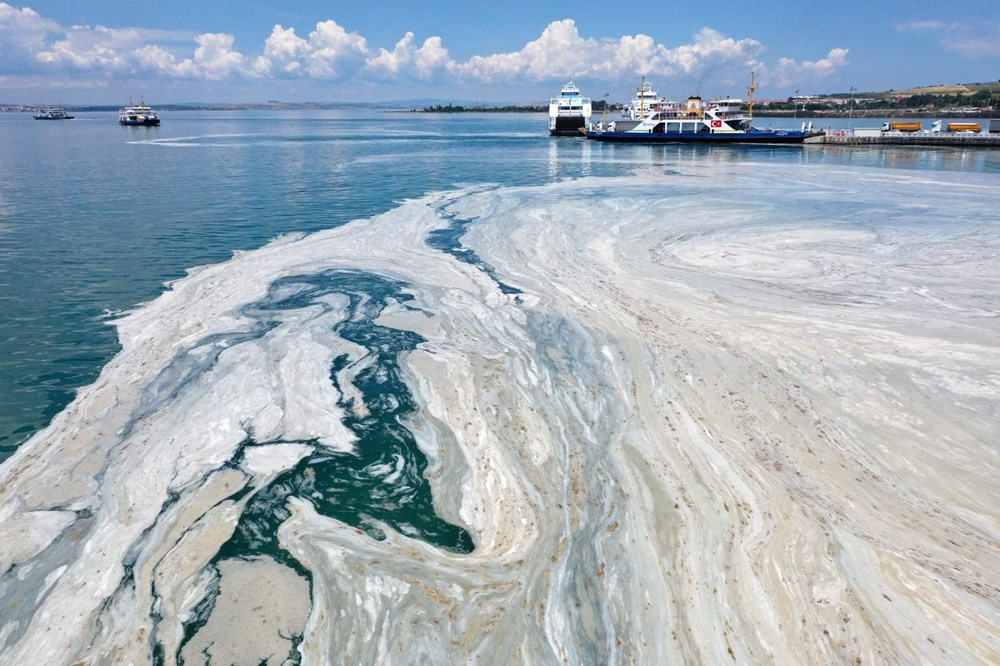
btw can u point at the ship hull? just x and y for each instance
(148, 122)
(764, 138)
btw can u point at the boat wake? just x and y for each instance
(673, 416)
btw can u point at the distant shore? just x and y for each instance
(528, 108)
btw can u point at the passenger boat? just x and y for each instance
(569, 114)
(138, 114)
(651, 120)
(52, 113)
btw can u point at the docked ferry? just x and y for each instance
(643, 102)
(138, 114)
(649, 119)
(569, 114)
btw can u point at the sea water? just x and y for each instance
(468, 392)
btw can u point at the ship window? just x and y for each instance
(689, 127)
(673, 127)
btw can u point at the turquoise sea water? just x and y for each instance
(94, 218)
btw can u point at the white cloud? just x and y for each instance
(426, 62)
(334, 52)
(973, 39)
(330, 52)
(710, 48)
(32, 44)
(282, 51)
(560, 51)
(94, 48)
(23, 33)
(921, 25)
(790, 72)
(973, 42)
(214, 59)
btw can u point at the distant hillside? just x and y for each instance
(955, 89)
(966, 89)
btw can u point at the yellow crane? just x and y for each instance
(751, 90)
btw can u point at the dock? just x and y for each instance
(936, 139)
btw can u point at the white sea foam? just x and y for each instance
(732, 417)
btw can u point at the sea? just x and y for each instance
(383, 386)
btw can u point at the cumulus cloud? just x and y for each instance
(330, 52)
(334, 52)
(214, 59)
(560, 51)
(31, 43)
(426, 62)
(789, 71)
(282, 52)
(85, 47)
(23, 33)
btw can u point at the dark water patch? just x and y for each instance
(381, 483)
(449, 241)
(202, 611)
(382, 480)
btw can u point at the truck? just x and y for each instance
(902, 127)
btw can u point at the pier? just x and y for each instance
(959, 139)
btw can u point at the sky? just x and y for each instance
(516, 51)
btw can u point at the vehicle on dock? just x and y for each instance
(893, 126)
(569, 114)
(975, 128)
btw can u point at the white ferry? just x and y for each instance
(649, 119)
(52, 113)
(642, 103)
(138, 114)
(569, 114)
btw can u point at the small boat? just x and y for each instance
(138, 114)
(569, 114)
(52, 113)
(649, 119)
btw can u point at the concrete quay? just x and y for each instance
(960, 139)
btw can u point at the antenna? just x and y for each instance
(850, 114)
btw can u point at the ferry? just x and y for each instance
(569, 114)
(648, 119)
(52, 113)
(643, 102)
(138, 114)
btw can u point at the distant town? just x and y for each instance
(972, 99)
(966, 99)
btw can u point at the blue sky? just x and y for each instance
(104, 51)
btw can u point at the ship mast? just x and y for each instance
(752, 89)
(642, 99)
